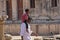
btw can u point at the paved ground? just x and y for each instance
(32, 38)
(8, 36)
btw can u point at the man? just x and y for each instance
(25, 30)
(25, 15)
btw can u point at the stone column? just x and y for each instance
(20, 8)
(14, 10)
(2, 18)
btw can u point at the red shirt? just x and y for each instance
(24, 17)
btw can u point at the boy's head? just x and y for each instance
(29, 19)
(27, 11)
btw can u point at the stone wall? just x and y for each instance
(2, 7)
(43, 8)
(37, 11)
(26, 4)
(41, 29)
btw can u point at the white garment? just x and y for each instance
(26, 35)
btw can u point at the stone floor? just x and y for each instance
(53, 37)
(32, 38)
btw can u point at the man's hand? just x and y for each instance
(35, 34)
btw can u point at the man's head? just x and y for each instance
(27, 11)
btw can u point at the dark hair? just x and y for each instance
(26, 22)
(26, 10)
